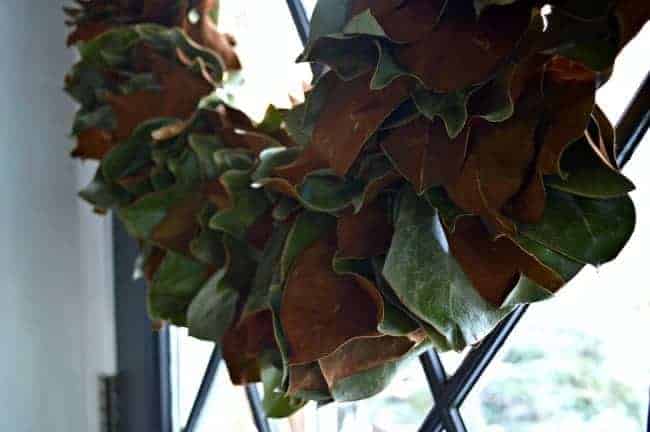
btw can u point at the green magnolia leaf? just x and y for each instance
(372, 381)
(248, 205)
(275, 403)
(396, 322)
(562, 265)
(438, 199)
(387, 69)
(161, 178)
(294, 123)
(272, 158)
(272, 121)
(139, 82)
(101, 118)
(526, 291)
(587, 175)
(404, 114)
(450, 107)
(307, 228)
(275, 302)
(141, 217)
(364, 24)
(185, 168)
(493, 101)
(232, 159)
(592, 42)
(267, 268)
(109, 47)
(82, 84)
(429, 281)
(284, 208)
(205, 146)
(315, 101)
(329, 17)
(104, 194)
(212, 310)
(365, 384)
(348, 56)
(590, 231)
(208, 247)
(169, 39)
(324, 191)
(242, 257)
(174, 286)
(134, 153)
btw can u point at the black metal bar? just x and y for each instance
(479, 358)
(456, 421)
(450, 418)
(433, 370)
(204, 390)
(142, 353)
(469, 372)
(261, 422)
(635, 121)
(300, 19)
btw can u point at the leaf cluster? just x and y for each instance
(449, 165)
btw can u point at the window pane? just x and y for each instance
(268, 45)
(227, 407)
(399, 408)
(581, 362)
(309, 6)
(189, 359)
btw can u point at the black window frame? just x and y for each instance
(143, 354)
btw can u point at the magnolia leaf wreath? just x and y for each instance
(450, 164)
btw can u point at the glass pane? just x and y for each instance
(189, 359)
(451, 360)
(227, 407)
(631, 68)
(400, 408)
(267, 44)
(309, 5)
(581, 362)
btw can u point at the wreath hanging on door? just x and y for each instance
(450, 164)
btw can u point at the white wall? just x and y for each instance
(56, 311)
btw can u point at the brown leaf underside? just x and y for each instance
(321, 310)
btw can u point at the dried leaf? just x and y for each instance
(92, 143)
(569, 95)
(317, 301)
(361, 355)
(181, 90)
(423, 152)
(429, 281)
(364, 234)
(462, 51)
(204, 32)
(596, 234)
(495, 267)
(243, 345)
(421, 16)
(307, 381)
(351, 114)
